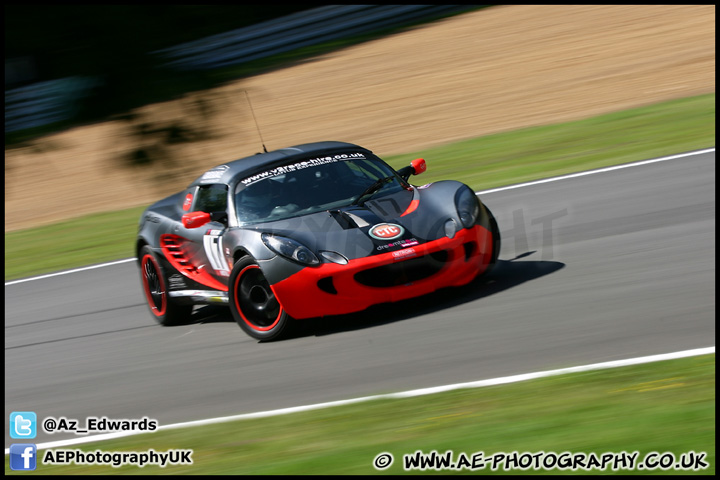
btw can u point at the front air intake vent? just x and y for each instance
(326, 285)
(402, 273)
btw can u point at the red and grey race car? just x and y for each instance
(312, 230)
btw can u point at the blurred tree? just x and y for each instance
(78, 39)
(113, 43)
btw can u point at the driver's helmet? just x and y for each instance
(258, 196)
(306, 177)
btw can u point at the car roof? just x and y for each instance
(247, 166)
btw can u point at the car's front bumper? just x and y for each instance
(332, 289)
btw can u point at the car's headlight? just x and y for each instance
(289, 248)
(468, 206)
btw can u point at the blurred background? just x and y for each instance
(109, 107)
(72, 64)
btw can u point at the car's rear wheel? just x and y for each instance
(253, 303)
(154, 284)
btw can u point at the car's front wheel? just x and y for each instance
(154, 284)
(495, 230)
(253, 303)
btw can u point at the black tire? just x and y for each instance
(253, 303)
(154, 283)
(496, 243)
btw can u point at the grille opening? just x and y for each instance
(404, 272)
(469, 250)
(326, 285)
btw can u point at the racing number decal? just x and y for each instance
(212, 241)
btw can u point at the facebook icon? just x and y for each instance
(23, 456)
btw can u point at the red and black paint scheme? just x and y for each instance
(319, 229)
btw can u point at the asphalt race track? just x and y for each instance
(601, 267)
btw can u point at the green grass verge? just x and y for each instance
(660, 407)
(541, 152)
(86, 240)
(485, 162)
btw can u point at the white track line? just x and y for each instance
(407, 394)
(81, 269)
(599, 170)
(484, 192)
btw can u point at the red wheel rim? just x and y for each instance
(153, 285)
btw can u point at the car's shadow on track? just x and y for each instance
(506, 275)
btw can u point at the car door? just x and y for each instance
(202, 246)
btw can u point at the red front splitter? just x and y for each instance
(301, 297)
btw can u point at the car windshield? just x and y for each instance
(313, 185)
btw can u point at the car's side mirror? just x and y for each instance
(416, 167)
(419, 166)
(195, 219)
